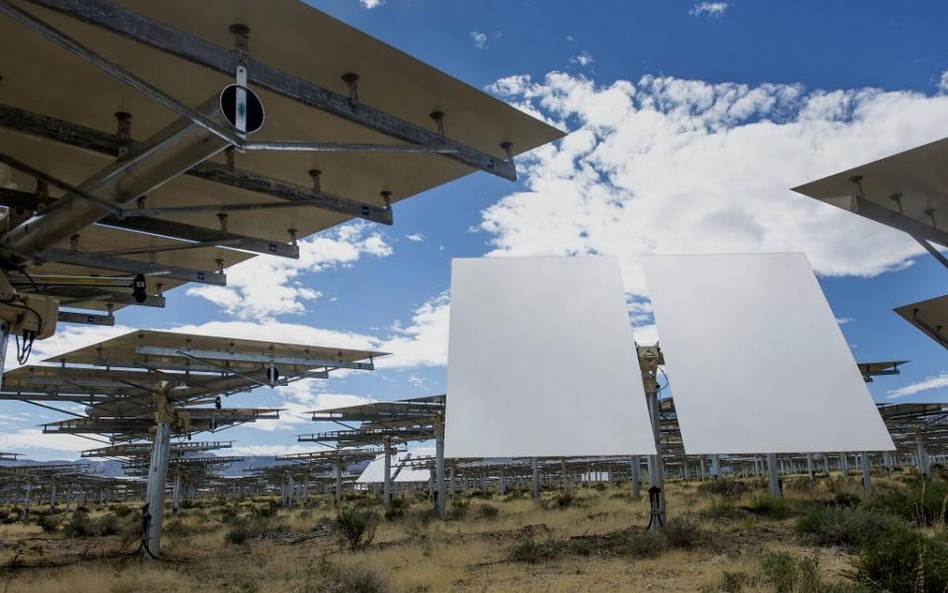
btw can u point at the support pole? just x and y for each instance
(439, 471)
(649, 359)
(565, 476)
(338, 482)
(52, 497)
(921, 459)
(636, 476)
(866, 473)
(291, 491)
(809, 467)
(176, 492)
(536, 479)
(387, 477)
(157, 476)
(26, 502)
(844, 464)
(775, 489)
(887, 461)
(716, 466)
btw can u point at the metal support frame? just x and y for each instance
(174, 41)
(439, 472)
(253, 358)
(921, 455)
(387, 476)
(775, 490)
(716, 466)
(535, 486)
(650, 357)
(866, 472)
(809, 467)
(636, 463)
(339, 466)
(155, 496)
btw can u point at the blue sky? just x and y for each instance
(690, 122)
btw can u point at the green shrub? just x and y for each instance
(49, 523)
(121, 510)
(487, 511)
(780, 570)
(720, 510)
(599, 487)
(903, 560)
(79, 525)
(925, 503)
(770, 507)
(841, 526)
(356, 527)
(245, 528)
(733, 582)
(459, 509)
(683, 533)
(726, 487)
(562, 500)
(107, 525)
(396, 509)
(531, 551)
(642, 544)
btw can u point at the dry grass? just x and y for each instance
(416, 556)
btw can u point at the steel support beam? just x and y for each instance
(78, 136)
(866, 472)
(194, 49)
(155, 496)
(809, 467)
(131, 266)
(439, 474)
(254, 358)
(774, 474)
(636, 464)
(535, 486)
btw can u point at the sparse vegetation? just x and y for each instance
(825, 537)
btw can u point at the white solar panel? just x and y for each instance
(755, 358)
(542, 361)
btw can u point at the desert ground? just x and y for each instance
(725, 535)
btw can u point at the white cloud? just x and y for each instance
(31, 439)
(70, 337)
(583, 58)
(269, 450)
(415, 238)
(667, 165)
(926, 385)
(943, 83)
(844, 320)
(268, 286)
(370, 4)
(709, 9)
(424, 342)
(480, 39)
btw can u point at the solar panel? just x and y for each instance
(930, 316)
(905, 191)
(542, 361)
(124, 157)
(755, 358)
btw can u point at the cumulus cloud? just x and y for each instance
(415, 238)
(370, 4)
(927, 385)
(480, 39)
(583, 58)
(268, 286)
(709, 9)
(665, 165)
(943, 83)
(29, 440)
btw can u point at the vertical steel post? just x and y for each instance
(26, 502)
(52, 497)
(536, 479)
(650, 358)
(439, 471)
(339, 482)
(176, 492)
(887, 461)
(844, 464)
(866, 473)
(716, 466)
(809, 467)
(157, 476)
(565, 476)
(387, 476)
(636, 476)
(775, 490)
(921, 459)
